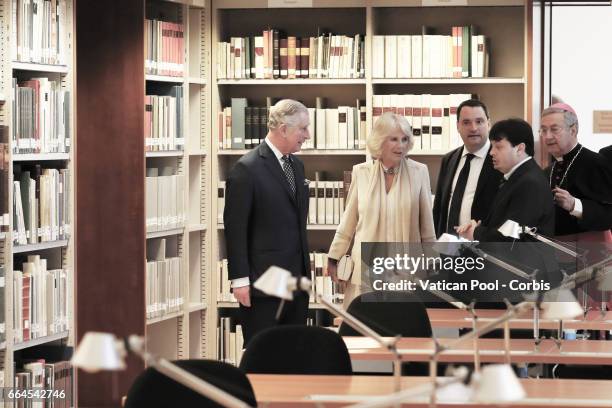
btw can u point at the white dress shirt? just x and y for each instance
(465, 214)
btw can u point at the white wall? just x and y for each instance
(582, 65)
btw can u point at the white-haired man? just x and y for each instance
(580, 179)
(265, 219)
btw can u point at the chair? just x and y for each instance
(295, 349)
(152, 389)
(390, 314)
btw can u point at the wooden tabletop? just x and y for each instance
(336, 391)
(461, 319)
(491, 351)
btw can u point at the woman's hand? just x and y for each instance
(332, 269)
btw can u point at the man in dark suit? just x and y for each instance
(580, 179)
(524, 196)
(265, 219)
(606, 152)
(467, 182)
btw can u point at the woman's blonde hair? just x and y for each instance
(383, 127)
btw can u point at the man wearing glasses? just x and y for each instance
(579, 178)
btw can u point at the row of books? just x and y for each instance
(164, 48)
(40, 374)
(164, 121)
(272, 55)
(460, 55)
(321, 281)
(4, 177)
(164, 280)
(40, 305)
(244, 127)
(165, 199)
(327, 199)
(230, 341)
(433, 118)
(39, 31)
(41, 202)
(41, 117)
(2, 300)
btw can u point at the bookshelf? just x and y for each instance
(37, 246)
(505, 90)
(180, 331)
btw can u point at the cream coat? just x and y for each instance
(421, 228)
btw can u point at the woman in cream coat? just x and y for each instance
(389, 199)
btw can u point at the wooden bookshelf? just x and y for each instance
(506, 90)
(182, 334)
(59, 253)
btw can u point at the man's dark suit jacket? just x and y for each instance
(264, 224)
(524, 198)
(486, 189)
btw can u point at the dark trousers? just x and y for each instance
(262, 314)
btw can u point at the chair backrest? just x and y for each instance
(294, 349)
(152, 389)
(389, 314)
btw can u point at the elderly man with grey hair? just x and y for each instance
(579, 178)
(265, 219)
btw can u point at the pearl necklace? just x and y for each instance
(390, 170)
(552, 171)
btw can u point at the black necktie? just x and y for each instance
(455, 206)
(289, 173)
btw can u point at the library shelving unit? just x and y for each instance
(44, 68)
(180, 332)
(506, 88)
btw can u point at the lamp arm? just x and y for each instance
(402, 396)
(501, 263)
(587, 274)
(533, 233)
(484, 329)
(135, 344)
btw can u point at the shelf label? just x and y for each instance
(602, 121)
(289, 3)
(443, 3)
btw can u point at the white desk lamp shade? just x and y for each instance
(561, 305)
(448, 244)
(510, 229)
(99, 352)
(277, 282)
(497, 383)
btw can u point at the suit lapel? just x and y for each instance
(507, 187)
(299, 181)
(453, 163)
(486, 175)
(275, 169)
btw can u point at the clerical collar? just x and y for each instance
(569, 156)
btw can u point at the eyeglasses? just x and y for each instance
(553, 130)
